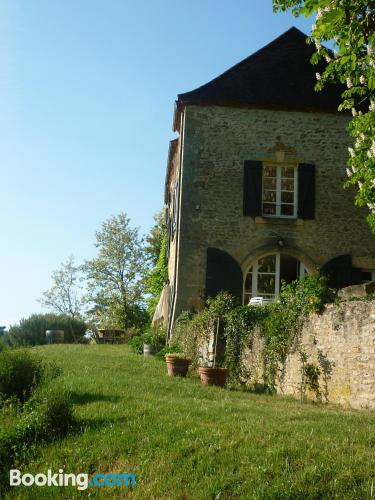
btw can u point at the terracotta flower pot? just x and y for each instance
(213, 376)
(177, 366)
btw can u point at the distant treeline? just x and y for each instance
(32, 331)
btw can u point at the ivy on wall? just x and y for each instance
(279, 324)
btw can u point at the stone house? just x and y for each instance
(254, 180)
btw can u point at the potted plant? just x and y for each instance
(213, 375)
(177, 364)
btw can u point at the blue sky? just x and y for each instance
(87, 90)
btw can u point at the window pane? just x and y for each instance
(267, 264)
(287, 197)
(287, 210)
(249, 282)
(269, 183)
(269, 209)
(287, 172)
(269, 171)
(269, 196)
(287, 184)
(266, 283)
(247, 298)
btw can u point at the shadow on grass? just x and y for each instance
(255, 389)
(82, 398)
(84, 425)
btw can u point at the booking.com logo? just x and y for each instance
(81, 481)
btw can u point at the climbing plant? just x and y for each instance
(283, 322)
(278, 323)
(192, 332)
(240, 324)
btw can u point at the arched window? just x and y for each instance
(264, 277)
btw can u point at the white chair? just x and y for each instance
(256, 301)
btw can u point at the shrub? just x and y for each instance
(155, 337)
(192, 332)
(136, 343)
(172, 348)
(48, 414)
(2, 345)
(32, 330)
(20, 373)
(286, 316)
(284, 320)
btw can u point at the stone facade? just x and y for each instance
(215, 142)
(341, 343)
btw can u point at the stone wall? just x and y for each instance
(341, 343)
(217, 141)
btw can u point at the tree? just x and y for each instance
(157, 277)
(155, 237)
(115, 278)
(64, 295)
(156, 251)
(350, 25)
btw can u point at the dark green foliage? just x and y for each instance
(154, 337)
(172, 348)
(308, 294)
(279, 323)
(136, 343)
(2, 345)
(32, 330)
(191, 331)
(239, 328)
(284, 319)
(157, 338)
(221, 305)
(311, 374)
(157, 277)
(47, 415)
(50, 411)
(155, 237)
(138, 316)
(20, 373)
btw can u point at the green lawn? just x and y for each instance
(185, 441)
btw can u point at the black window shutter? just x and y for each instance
(306, 191)
(340, 272)
(222, 273)
(252, 188)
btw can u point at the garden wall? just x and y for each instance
(340, 343)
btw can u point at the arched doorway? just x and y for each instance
(265, 275)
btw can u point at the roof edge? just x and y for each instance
(293, 29)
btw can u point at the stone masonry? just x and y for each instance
(216, 142)
(340, 342)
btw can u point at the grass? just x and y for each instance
(186, 441)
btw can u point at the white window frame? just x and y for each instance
(254, 282)
(279, 167)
